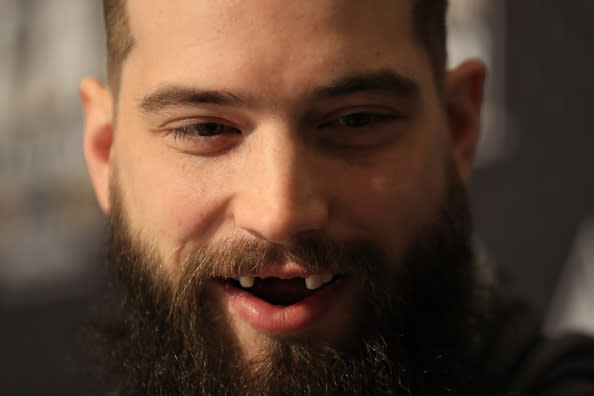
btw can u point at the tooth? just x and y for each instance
(313, 282)
(246, 281)
(327, 278)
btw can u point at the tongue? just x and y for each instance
(281, 292)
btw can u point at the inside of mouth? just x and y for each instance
(281, 292)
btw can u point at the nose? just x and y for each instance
(280, 195)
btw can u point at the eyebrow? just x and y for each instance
(171, 96)
(383, 80)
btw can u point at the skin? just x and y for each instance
(285, 167)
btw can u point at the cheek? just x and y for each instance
(170, 199)
(182, 206)
(391, 203)
(384, 205)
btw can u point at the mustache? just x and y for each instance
(231, 257)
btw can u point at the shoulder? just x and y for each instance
(534, 365)
(558, 366)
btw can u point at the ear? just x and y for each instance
(464, 88)
(98, 136)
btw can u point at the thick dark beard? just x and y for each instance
(418, 332)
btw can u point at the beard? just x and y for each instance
(417, 329)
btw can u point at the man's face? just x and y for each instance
(271, 122)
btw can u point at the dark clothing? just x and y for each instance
(522, 362)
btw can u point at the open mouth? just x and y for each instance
(283, 292)
(284, 301)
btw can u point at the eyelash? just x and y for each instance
(370, 118)
(185, 132)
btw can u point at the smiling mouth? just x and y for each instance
(283, 292)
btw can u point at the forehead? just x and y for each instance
(277, 43)
(215, 18)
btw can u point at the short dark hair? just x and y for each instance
(431, 30)
(119, 40)
(429, 25)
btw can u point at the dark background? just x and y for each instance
(527, 206)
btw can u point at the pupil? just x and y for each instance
(357, 120)
(209, 129)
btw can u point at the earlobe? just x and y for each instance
(98, 136)
(464, 87)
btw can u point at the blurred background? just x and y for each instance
(532, 190)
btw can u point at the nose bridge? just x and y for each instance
(283, 166)
(281, 195)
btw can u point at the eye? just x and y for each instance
(205, 138)
(359, 120)
(361, 129)
(205, 129)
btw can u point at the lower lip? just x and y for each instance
(273, 319)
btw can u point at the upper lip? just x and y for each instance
(284, 271)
